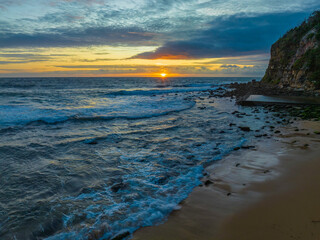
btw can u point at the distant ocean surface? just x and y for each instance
(90, 158)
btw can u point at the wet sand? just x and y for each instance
(269, 192)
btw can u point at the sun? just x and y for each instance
(163, 74)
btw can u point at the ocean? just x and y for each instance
(91, 158)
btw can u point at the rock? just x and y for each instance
(121, 236)
(261, 135)
(98, 233)
(245, 129)
(228, 194)
(162, 180)
(117, 187)
(248, 147)
(91, 142)
(208, 182)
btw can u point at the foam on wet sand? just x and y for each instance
(269, 192)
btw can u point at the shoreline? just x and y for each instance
(237, 189)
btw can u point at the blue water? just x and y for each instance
(91, 158)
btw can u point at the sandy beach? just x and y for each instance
(269, 192)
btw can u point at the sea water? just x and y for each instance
(92, 158)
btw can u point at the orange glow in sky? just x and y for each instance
(103, 61)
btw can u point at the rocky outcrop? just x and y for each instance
(295, 58)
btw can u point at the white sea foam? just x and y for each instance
(103, 110)
(136, 170)
(156, 91)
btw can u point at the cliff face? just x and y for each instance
(295, 58)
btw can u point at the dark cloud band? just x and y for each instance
(230, 36)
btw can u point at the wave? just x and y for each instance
(155, 91)
(24, 115)
(209, 85)
(140, 208)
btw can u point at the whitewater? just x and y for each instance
(94, 158)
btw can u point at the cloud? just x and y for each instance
(106, 66)
(188, 69)
(17, 58)
(229, 66)
(78, 37)
(18, 62)
(97, 60)
(21, 58)
(31, 55)
(241, 60)
(42, 23)
(237, 35)
(101, 69)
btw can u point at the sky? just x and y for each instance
(143, 38)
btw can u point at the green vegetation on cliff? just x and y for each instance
(311, 62)
(295, 58)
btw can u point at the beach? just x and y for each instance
(269, 192)
(116, 163)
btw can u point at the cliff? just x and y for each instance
(295, 58)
